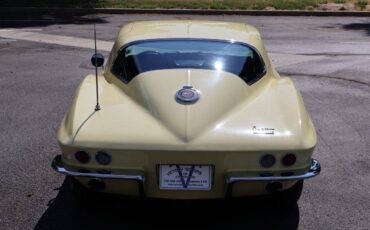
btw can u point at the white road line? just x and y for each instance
(54, 39)
(278, 59)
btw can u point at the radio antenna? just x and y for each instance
(97, 106)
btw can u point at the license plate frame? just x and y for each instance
(169, 177)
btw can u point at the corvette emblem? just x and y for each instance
(187, 95)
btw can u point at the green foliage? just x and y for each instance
(361, 3)
(167, 4)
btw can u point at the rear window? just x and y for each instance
(232, 57)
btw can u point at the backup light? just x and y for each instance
(267, 161)
(103, 158)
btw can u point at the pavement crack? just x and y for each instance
(324, 76)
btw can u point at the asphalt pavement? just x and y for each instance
(43, 59)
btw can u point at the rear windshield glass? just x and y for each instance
(235, 58)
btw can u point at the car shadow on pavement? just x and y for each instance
(117, 212)
(358, 26)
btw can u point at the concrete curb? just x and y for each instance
(76, 11)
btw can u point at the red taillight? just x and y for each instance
(289, 159)
(82, 157)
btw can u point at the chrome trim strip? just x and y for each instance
(314, 170)
(58, 166)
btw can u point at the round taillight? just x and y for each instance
(103, 158)
(267, 161)
(82, 157)
(289, 159)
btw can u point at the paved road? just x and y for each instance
(328, 58)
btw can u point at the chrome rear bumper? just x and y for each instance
(314, 170)
(58, 166)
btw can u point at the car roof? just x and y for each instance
(167, 29)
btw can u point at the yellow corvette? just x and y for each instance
(188, 110)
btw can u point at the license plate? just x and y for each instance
(185, 177)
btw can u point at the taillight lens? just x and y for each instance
(289, 159)
(267, 161)
(82, 157)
